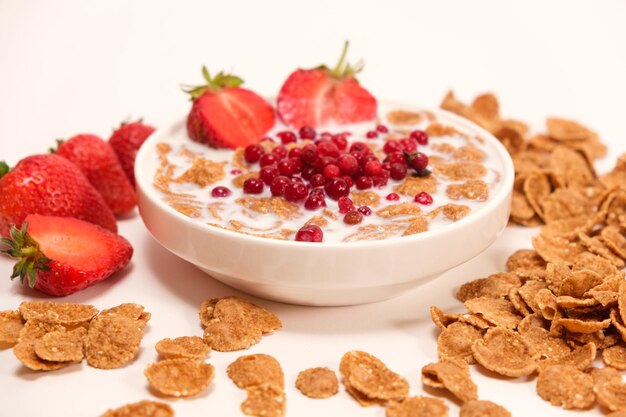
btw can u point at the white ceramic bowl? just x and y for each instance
(326, 274)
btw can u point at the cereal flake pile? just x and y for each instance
(559, 305)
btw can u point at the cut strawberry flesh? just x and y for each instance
(81, 245)
(236, 116)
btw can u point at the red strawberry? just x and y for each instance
(62, 255)
(50, 185)
(98, 162)
(224, 115)
(319, 96)
(126, 141)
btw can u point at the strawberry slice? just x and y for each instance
(319, 96)
(224, 115)
(97, 160)
(61, 255)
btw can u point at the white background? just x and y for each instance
(83, 66)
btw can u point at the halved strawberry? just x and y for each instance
(97, 160)
(319, 96)
(225, 115)
(61, 255)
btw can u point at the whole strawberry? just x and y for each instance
(61, 255)
(51, 185)
(126, 141)
(319, 96)
(224, 115)
(100, 164)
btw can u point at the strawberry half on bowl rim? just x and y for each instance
(327, 273)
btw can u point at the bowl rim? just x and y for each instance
(507, 177)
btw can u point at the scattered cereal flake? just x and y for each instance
(61, 313)
(584, 326)
(25, 353)
(605, 375)
(129, 310)
(284, 209)
(579, 282)
(546, 304)
(455, 212)
(617, 414)
(317, 220)
(441, 319)
(141, 409)
(456, 341)
(459, 171)
(317, 383)
(520, 208)
(518, 303)
(612, 395)
(112, 341)
(206, 310)
(468, 153)
(615, 356)
(417, 407)
(595, 245)
(418, 225)
(256, 369)
(241, 178)
(542, 345)
(580, 358)
(482, 408)
(266, 400)
(10, 325)
(569, 168)
(412, 186)
(496, 311)
(61, 346)
(565, 301)
(529, 292)
(536, 188)
(365, 198)
(452, 375)
(525, 259)
(565, 386)
(238, 324)
(565, 203)
(494, 286)
(438, 129)
(614, 240)
(400, 209)
(566, 130)
(568, 228)
(179, 377)
(471, 189)
(203, 172)
(191, 347)
(593, 262)
(371, 377)
(504, 352)
(556, 249)
(404, 117)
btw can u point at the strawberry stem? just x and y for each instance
(343, 69)
(55, 149)
(4, 168)
(213, 84)
(25, 249)
(339, 67)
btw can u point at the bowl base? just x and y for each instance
(318, 297)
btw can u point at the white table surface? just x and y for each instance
(83, 66)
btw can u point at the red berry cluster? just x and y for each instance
(329, 168)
